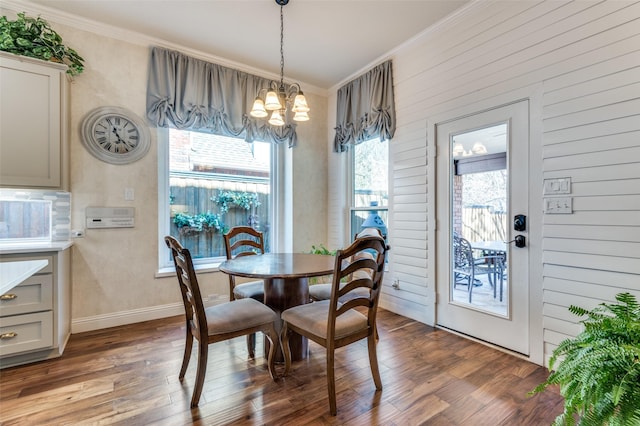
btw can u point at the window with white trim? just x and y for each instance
(370, 185)
(208, 184)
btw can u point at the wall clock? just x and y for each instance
(115, 135)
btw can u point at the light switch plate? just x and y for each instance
(558, 205)
(557, 186)
(129, 194)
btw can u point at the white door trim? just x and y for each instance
(533, 94)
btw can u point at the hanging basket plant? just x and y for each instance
(34, 37)
(233, 199)
(201, 222)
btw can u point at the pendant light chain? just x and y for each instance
(281, 47)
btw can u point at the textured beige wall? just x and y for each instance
(113, 269)
(310, 178)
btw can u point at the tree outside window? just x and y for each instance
(370, 183)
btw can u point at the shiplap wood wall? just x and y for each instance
(584, 56)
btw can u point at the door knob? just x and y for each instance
(520, 241)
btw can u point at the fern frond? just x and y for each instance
(599, 370)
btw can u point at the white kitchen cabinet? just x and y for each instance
(35, 316)
(33, 123)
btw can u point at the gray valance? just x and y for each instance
(366, 108)
(191, 94)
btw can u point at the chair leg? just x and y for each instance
(373, 361)
(271, 359)
(331, 382)
(188, 345)
(501, 282)
(203, 352)
(286, 349)
(495, 279)
(251, 345)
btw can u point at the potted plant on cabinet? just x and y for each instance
(599, 369)
(34, 37)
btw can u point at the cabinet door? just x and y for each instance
(30, 123)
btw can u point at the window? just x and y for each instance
(25, 220)
(212, 183)
(370, 183)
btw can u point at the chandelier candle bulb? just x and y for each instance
(300, 104)
(272, 102)
(258, 109)
(301, 116)
(276, 119)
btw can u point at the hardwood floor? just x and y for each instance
(129, 375)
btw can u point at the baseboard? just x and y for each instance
(115, 319)
(407, 309)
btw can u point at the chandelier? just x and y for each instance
(478, 149)
(278, 97)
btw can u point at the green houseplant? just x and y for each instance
(321, 249)
(599, 369)
(34, 37)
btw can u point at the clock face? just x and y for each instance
(115, 135)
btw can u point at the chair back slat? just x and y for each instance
(348, 287)
(353, 303)
(242, 241)
(246, 244)
(189, 288)
(361, 265)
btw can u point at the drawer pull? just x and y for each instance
(9, 335)
(8, 296)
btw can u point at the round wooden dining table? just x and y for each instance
(286, 284)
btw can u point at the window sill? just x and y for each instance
(202, 268)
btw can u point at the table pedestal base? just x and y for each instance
(281, 294)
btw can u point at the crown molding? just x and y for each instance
(139, 39)
(444, 22)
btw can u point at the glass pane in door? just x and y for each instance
(479, 204)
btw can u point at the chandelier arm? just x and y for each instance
(290, 91)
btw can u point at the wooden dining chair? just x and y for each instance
(467, 267)
(245, 241)
(334, 324)
(322, 291)
(215, 323)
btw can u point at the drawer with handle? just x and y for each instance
(27, 332)
(33, 295)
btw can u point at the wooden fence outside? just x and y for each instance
(194, 196)
(483, 224)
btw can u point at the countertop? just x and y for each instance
(40, 247)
